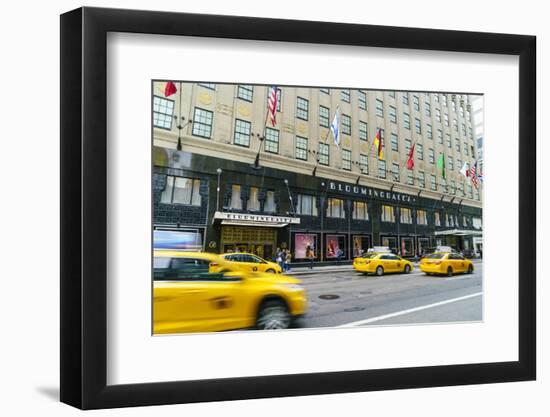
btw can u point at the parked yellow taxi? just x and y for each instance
(381, 263)
(445, 263)
(191, 295)
(248, 262)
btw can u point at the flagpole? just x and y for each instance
(262, 137)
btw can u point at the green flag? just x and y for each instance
(441, 165)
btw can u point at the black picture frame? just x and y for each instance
(84, 179)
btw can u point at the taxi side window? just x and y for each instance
(253, 259)
(186, 269)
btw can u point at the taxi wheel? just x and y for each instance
(273, 315)
(379, 271)
(270, 271)
(407, 269)
(449, 272)
(470, 269)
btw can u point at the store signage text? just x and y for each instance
(370, 192)
(255, 217)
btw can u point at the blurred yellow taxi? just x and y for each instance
(381, 263)
(202, 292)
(445, 263)
(247, 262)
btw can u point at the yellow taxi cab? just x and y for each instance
(381, 263)
(445, 263)
(248, 262)
(190, 295)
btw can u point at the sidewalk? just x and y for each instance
(304, 270)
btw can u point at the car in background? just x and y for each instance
(446, 263)
(252, 263)
(202, 292)
(381, 263)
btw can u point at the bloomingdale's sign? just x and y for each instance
(370, 192)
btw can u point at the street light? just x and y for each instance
(219, 171)
(257, 159)
(290, 197)
(180, 128)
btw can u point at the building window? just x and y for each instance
(242, 133)
(253, 201)
(381, 169)
(364, 164)
(464, 221)
(476, 222)
(405, 215)
(438, 115)
(453, 187)
(421, 217)
(271, 140)
(433, 183)
(325, 90)
(440, 136)
(335, 208)
(410, 177)
(324, 116)
(457, 146)
(455, 125)
(346, 124)
(209, 86)
(393, 114)
(360, 210)
(269, 205)
(236, 202)
(420, 152)
(449, 143)
(406, 99)
(302, 108)
(444, 99)
(202, 123)
(387, 214)
(421, 179)
(324, 154)
(431, 156)
(379, 108)
(430, 131)
(408, 145)
(406, 121)
(363, 131)
(437, 219)
(417, 126)
(460, 190)
(394, 142)
(245, 92)
(450, 162)
(416, 103)
(392, 94)
(436, 98)
(428, 109)
(446, 118)
(180, 190)
(344, 96)
(362, 99)
(463, 129)
(346, 159)
(395, 171)
(466, 149)
(305, 205)
(163, 112)
(301, 148)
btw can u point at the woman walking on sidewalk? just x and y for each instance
(310, 255)
(288, 259)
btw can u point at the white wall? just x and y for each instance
(29, 176)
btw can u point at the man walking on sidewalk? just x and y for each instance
(310, 255)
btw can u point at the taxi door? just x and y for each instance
(397, 263)
(460, 263)
(251, 263)
(387, 263)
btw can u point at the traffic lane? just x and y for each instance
(465, 310)
(360, 297)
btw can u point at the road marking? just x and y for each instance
(410, 310)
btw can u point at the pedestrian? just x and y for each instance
(288, 259)
(310, 255)
(283, 260)
(278, 257)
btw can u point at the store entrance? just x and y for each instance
(259, 241)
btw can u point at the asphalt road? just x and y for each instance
(358, 300)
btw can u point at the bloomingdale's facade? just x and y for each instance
(252, 211)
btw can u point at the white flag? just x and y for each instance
(335, 127)
(465, 170)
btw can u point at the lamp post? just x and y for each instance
(257, 159)
(219, 171)
(290, 198)
(180, 127)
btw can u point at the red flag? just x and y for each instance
(170, 89)
(410, 160)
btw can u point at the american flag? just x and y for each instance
(473, 174)
(272, 104)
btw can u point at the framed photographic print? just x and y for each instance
(258, 208)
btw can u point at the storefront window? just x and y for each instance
(253, 202)
(406, 216)
(360, 210)
(302, 242)
(388, 214)
(360, 245)
(407, 246)
(390, 242)
(269, 206)
(476, 222)
(336, 246)
(180, 190)
(305, 205)
(336, 208)
(236, 202)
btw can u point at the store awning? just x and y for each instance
(458, 232)
(249, 219)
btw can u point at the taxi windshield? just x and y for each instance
(369, 255)
(435, 256)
